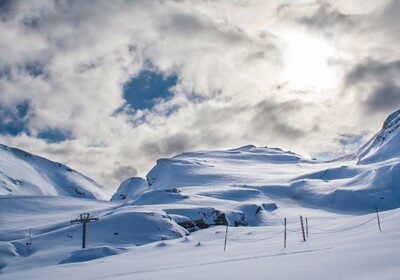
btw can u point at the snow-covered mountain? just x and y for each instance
(22, 173)
(354, 183)
(385, 144)
(172, 223)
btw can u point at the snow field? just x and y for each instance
(349, 248)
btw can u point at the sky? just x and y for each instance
(108, 87)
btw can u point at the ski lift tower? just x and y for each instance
(84, 219)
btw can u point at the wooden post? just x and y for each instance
(379, 221)
(302, 228)
(307, 227)
(226, 237)
(284, 235)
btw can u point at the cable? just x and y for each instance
(342, 230)
(241, 240)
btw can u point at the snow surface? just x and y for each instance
(338, 247)
(22, 173)
(131, 188)
(172, 224)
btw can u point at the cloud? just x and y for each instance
(380, 72)
(321, 17)
(272, 117)
(123, 172)
(69, 62)
(376, 84)
(385, 98)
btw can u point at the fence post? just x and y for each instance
(302, 228)
(226, 237)
(307, 227)
(30, 238)
(379, 221)
(284, 235)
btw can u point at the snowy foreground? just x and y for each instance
(337, 247)
(172, 224)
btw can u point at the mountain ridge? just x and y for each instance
(22, 173)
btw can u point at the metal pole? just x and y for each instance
(284, 236)
(84, 236)
(379, 221)
(226, 237)
(307, 227)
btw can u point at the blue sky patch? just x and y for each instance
(147, 89)
(12, 120)
(54, 135)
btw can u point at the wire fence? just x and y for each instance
(331, 231)
(308, 230)
(249, 240)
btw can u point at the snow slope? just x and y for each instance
(22, 173)
(384, 145)
(171, 225)
(337, 247)
(55, 240)
(264, 174)
(131, 188)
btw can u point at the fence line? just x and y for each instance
(244, 240)
(331, 231)
(298, 231)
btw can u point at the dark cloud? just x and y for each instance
(326, 19)
(167, 146)
(270, 118)
(123, 172)
(389, 18)
(7, 9)
(376, 84)
(385, 98)
(373, 70)
(185, 25)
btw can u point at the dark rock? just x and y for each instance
(189, 225)
(220, 219)
(258, 210)
(270, 206)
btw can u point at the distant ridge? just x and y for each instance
(22, 173)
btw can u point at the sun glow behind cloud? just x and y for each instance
(306, 62)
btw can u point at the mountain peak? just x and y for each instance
(384, 144)
(391, 119)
